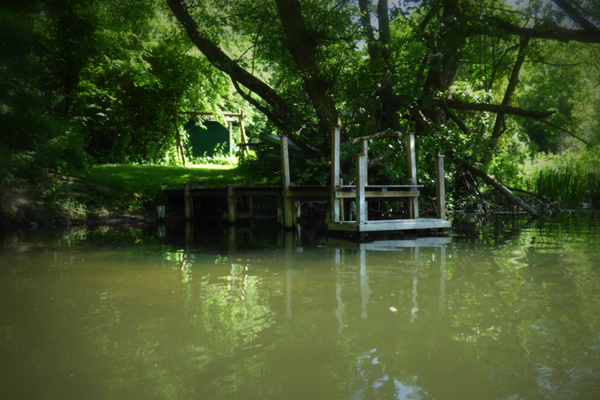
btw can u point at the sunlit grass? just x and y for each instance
(149, 179)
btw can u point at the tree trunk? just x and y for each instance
(303, 49)
(516, 200)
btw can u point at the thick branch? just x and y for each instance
(223, 62)
(495, 108)
(566, 131)
(577, 16)
(265, 110)
(510, 89)
(549, 31)
(500, 124)
(500, 187)
(458, 121)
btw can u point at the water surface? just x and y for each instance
(506, 309)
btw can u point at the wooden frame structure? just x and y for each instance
(229, 117)
(362, 191)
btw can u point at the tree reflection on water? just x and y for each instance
(126, 313)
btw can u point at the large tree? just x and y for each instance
(447, 69)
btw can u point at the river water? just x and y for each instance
(501, 309)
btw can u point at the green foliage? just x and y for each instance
(100, 81)
(566, 180)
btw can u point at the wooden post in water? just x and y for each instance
(335, 174)
(188, 201)
(440, 186)
(412, 173)
(231, 203)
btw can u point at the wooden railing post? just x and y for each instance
(412, 171)
(244, 150)
(361, 182)
(440, 186)
(288, 203)
(335, 174)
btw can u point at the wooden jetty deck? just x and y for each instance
(363, 191)
(289, 196)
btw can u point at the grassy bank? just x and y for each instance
(113, 191)
(149, 179)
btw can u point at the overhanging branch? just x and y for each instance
(495, 108)
(566, 131)
(549, 31)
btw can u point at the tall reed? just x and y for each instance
(570, 185)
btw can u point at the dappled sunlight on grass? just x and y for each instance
(151, 178)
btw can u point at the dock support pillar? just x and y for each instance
(188, 201)
(412, 171)
(231, 203)
(440, 186)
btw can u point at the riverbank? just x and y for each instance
(105, 194)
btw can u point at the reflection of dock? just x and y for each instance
(348, 254)
(390, 245)
(239, 199)
(358, 268)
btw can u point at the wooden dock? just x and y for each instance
(289, 196)
(363, 191)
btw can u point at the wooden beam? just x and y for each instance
(412, 173)
(188, 202)
(231, 203)
(440, 186)
(178, 135)
(390, 225)
(361, 181)
(224, 114)
(335, 174)
(244, 150)
(288, 206)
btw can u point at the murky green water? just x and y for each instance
(133, 313)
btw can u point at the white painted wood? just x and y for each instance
(390, 225)
(285, 163)
(335, 173)
(440, 186)
(390, 245)
(361, 179)
(412, 172)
